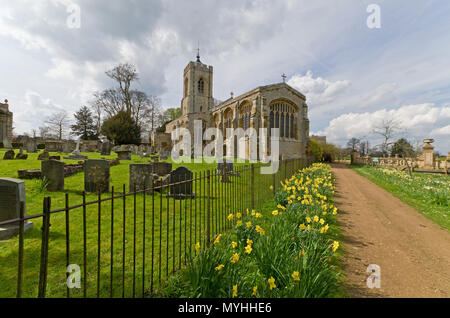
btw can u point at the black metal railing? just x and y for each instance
(131, 247)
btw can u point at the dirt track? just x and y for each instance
(412, 251)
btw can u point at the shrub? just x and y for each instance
(122, 129)
(40, 146)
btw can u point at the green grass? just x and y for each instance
(166, 214)
(427, 193)
(280, 251)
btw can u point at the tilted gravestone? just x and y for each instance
(141, 177)
(12, 193)
(124, 154)
(181, 183)
(161, 168)
(9, 155)
(53, 171)
(96, 175)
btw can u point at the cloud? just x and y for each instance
(415, 121)
(317, 90)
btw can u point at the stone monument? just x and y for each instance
(12, 193)
(181, 183)
(96, 175)
(76, 154)
(53, 171)
(428, 154)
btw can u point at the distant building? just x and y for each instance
(6, 124)
(322, 139)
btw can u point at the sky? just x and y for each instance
(54, 54)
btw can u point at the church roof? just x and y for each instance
(260, 89)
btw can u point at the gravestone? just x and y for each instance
(124, 154)
(161, 168)
(428, 153)
(229, 166)
(106, 148)
(53, 171)
(67, 147)
(21, 155)
(12, 193)
(181, 190)
(141, 177)
(164, 155)
(96, 175)
(44, 155)
(9, 155)
(31, 146)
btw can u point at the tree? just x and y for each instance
(124, 75)
(84, 126)
(402, 148)
(329, 152)
(388, 129)
(167, 116)
(122, 129)
(353, 143)
(314, 149)
(143, 108)
(57, 124)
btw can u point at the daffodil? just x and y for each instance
(322, 221)
(239, 223)
(255, 290)
(249, 242)
(235, 291)
(316, 218)
(248, 249)
(335, 246)
(234, 258)
(271, 187)
(308, 219)
(271, 282)
(234, 244)
(219, 268)
(217, 239)
(296, 275)
(275, 212)
(302, 226)
(230, 216)
(197, 246)
(238, 215)
(248, 224)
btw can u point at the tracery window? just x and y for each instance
(282, 116)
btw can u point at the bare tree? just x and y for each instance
(353, 143)
(124, 74)
(58, 123)
(388, 129)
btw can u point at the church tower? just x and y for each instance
(197, 88)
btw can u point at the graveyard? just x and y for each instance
(72, 189)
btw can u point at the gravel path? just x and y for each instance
(412, 251)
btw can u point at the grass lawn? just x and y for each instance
(427, 193)
(177, 224)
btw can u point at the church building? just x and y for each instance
(271, 106)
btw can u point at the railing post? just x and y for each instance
(208, 208)
(20, 266)
(252, 181)
(44, 248)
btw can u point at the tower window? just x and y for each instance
(201, 86)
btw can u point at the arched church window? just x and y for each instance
(292, 126)
(201, 86)
(271, 122)
(282, 126)
(186, 87)
(277, 120)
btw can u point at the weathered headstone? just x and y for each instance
(53, 171)
(141, 177)
(96, 175)
(181, 183)
(21, 155)
(9, 155)
(31, 146)
(161, 168)
(106, 148)
(44, 155)
(12, 193)
(124, 154)
(67, 147)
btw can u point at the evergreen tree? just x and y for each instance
(122, 129)
(84, 126)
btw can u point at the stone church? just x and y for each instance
(271, 106)
(6, 125)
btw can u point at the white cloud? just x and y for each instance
(416, 121)
(441, 131)
(317, 90)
